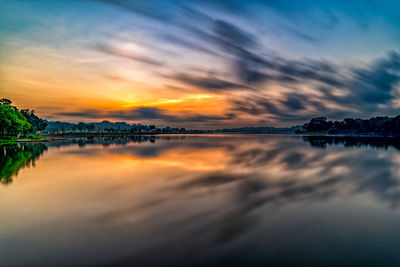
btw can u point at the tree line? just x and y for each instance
(16, 122)
(375, 125)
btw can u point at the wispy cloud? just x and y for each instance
(131, 55)
(146, 114)
(276, 62)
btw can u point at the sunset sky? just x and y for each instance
(201, 64)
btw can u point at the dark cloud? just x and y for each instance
(248, 61)
(367, 89)
(209, 83)
(294, 102)
(231, 36)
(251, 65)
(236, 42)
(376, 84)
(370, 86)
(140, 113)
(364, 91)
(310, 71)
(147, 113)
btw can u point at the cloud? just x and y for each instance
(376, 84)
(294, 102)
(147, 114)
(363, 91)
(209, 83)
(303, 88)
(188, 43)
(247, 59)
(111, 50)
(248, 62)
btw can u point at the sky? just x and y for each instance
(201, 64)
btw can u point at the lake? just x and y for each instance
(224, 200)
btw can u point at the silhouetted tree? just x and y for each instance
(375, 125)
(81, 126)
(37, 123)
(90, 127)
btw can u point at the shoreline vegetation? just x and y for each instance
(30, 138)
(372, 127)
(19, 125)
(23, 126)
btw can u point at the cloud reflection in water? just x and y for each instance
(212, 200)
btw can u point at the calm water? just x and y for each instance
(201, 200)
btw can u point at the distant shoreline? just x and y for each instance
(51, 138)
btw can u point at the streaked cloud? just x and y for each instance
(124, 53)
(147, 114)
(270, 62)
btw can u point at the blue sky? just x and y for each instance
(201, 63)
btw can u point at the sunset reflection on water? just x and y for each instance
(201, 200)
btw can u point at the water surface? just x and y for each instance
(200, 200)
